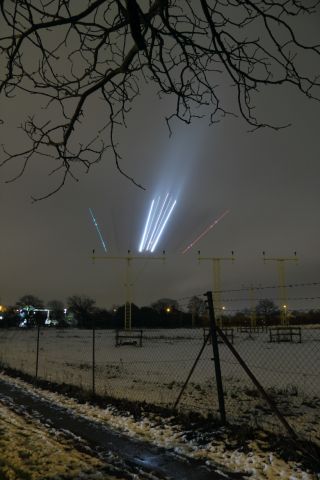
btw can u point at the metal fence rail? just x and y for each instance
(156, 371)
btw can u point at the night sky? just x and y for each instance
(269, 180)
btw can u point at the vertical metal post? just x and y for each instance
(216, 285)
(128, 306)
(38, 345)
(128, 302)
(253, 315)
(282, 283)
(216, 273)
(93, 357)
(216, 358)
(264, 394)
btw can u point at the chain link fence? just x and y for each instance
(114, 364)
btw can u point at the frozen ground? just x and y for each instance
(50, 447)
(156, 372)
(32, 451)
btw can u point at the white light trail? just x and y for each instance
(156, 224)
(98, 230)
(154, 214)
(158, 216)
(205, 231)
(163, 225)
(142, 243)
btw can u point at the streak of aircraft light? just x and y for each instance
(168, 206)
(205, 232)
(163, 225)
(143, 240)
(154, 214)
(98, 230)
(158, 216)
(156, 224)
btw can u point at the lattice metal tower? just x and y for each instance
(216, 282)
(128, 284)
(253, 314)
(280, 262)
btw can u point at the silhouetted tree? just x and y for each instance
(71, 53)
(29, 300)
(197, 308)
(83, 308)
(148, 317)
(267, 310)
(56, 310)
(102, 318)
(10, 318)
(163, 304)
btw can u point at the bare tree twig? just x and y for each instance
(66, 54)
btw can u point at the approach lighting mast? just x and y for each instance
(253, 313)
(280, 262)
(128, 283)
(216, 282)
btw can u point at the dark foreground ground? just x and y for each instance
(119, 456)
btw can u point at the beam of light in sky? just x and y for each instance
(205, 231)
(168, 206)
(163, 225)
(156, 224)
(98, 230)
(143, 239)
(158, 216)
(154, 214)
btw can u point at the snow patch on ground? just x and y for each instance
(215, 448)
(29, 450)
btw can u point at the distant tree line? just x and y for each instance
(81, 311)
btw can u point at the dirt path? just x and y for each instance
(132, 454)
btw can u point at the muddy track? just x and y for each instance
(134, 453)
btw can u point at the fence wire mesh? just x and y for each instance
(155, 372)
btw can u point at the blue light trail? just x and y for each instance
(98, 230)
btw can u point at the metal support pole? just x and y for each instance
(280, 262)
(93, 357)
(253, 315)
(262, 391)
(216, 282)
(216, 358)
(216, 273)
(38, 344)
(205, 341)
(128, 258)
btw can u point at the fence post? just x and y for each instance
(260, 388)
(37, 348)
(93, 357)
(216, 358)
(205, 341)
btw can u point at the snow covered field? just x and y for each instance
(156, 372)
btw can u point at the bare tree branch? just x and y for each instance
(70, 54)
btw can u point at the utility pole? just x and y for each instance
(128, 259)
(253, 316)
(216, 282)
(280, 262)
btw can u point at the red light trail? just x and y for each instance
(205, 232)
